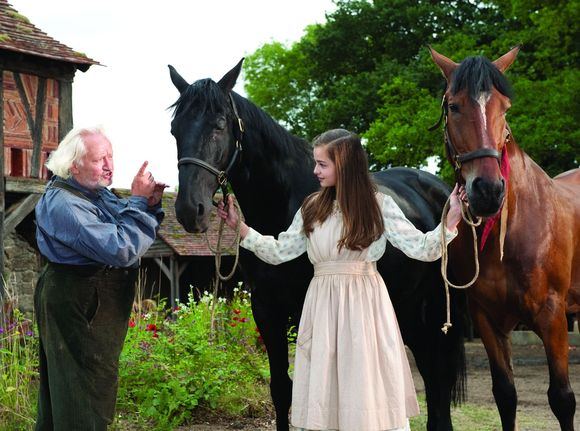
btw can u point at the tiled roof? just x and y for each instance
(181, 241)
(18, 34)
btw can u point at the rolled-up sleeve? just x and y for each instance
(400, 232)
(289, 245)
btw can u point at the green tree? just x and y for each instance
(367, 69)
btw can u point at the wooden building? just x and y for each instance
(178, 260)
(36, 75)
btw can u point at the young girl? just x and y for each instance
(351, 371)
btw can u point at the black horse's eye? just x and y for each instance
(453, 107)
(220, 123)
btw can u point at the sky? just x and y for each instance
(136, 40)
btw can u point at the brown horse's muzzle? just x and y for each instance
(485, 196)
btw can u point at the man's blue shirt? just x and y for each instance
(101, 230)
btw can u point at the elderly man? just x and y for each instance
(92, 241)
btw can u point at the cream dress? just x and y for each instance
(351, 371)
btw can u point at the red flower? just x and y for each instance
(152, 327)
(244, 319)
(237, 310)
(155, 335)
(235, 318)
(176, 308)
(131, 323)
(233, 324)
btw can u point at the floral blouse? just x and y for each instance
(399, 231)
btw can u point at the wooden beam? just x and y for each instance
(34, 122)
(2, 187)
(35, 65)
(36, 133)
(19, 212)
(24, 185)
(65, 114)
(163, 267)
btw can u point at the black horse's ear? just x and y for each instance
(180, 83)
(229, 79)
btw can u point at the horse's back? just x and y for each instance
(419, 194)
(569, 177)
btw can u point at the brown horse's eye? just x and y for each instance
(453, 107)
(220, 123)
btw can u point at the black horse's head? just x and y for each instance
(208, 132)
(475, 103)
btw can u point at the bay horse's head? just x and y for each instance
(476, 100)
(208, 132)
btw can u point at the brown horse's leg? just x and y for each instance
(553, 330)
(499, 349)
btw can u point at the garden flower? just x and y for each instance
(151, 327)
(131, 323)
(244, 319)
(237, 310)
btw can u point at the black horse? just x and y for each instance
(220, 134)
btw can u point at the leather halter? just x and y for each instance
(222, 176)
(453, 154)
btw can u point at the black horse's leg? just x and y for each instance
(272, 321)
(499, 351)
(437, 371)
(551, 326)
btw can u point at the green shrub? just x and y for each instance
(173, 364)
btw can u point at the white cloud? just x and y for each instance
(136, 40)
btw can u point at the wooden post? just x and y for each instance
(2, 188)
(65, 115)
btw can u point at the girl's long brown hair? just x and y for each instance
(354, 191)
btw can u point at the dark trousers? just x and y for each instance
(82, 315)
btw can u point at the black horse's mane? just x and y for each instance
(478, 74)
(204, 94)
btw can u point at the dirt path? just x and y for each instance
(531, 376)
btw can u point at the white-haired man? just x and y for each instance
(92, 241)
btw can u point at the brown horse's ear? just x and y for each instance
(229, 79)
(446, 65)
(180, 83)
(505, 61)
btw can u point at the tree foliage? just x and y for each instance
(367, 69)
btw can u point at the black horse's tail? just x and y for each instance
(457, 334)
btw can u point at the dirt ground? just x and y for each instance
(531, 376)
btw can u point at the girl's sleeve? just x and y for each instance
(289, 245)
(400, 232)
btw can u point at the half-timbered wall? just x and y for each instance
(24, 127)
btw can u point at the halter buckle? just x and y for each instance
(222, 178)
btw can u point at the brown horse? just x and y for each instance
(530, 263)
